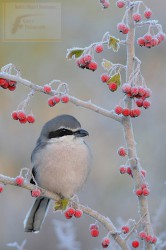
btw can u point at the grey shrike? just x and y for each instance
(61, 162)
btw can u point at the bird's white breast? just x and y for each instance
(63, 165)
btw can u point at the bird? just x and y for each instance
(61, 162)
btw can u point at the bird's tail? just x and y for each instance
(36, 215)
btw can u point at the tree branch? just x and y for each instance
(129, 135)
(106, 222)
(74, 100)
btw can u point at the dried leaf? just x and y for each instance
(107, 65)
(113, 43)
(61, 204)
(116, 79)
(74, 53)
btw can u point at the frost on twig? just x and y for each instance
(16, 245)
(66, 234)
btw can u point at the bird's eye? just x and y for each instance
(59, 133)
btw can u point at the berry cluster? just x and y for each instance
(137, 16)
(87, 62)
(125, 170)
(123, 28)
(56, 99)
(70, 212)
(7, 84)
(105, 3)
(150, 41)
(148, 238)
(22, 117)
(94, 230)
(135, 112)
(143, 190)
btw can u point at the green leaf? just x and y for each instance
(115, 78)
(113, 43)
(74, 53)
(107, 65)
(61, 204)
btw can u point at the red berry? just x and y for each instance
(3, 82)
(154, 240)
(78, 213)
(5, 85)
(56, 99)
(81, 62)
(145, 191)
(94, 232)
(123, 170)
(154, 41)
(65, 99)
(136, 17)
(160, 37)
(139, 102)
(105, 77)
(23, 121)
(139, 192)
(1, 188)
(143, 172)
(126, 88)
(67, 216)
(87, 58)
(125, 229)
(36, 192)
(106, 4)
(99, 48)
(12, 88)
(129, 171)
(135, 244)
(93, 226)
(105, 242)
(126, 112)
(136, 112)
(141, 41)
(19, 180)
(142, 235)
(51, 102)
(21, 115)
(14, 115)
(112, 86)
(134, 91)
(118, 110)
(148, 93)
(92, 65)
(147, 13)
(70, 211)
(12, 83)
(30, 118)
(143, 186)
(122, 151)
(141, 91)
(147, 37)
(120, 3)
(146, 104)
(149, 238)
(47, 88)
(148, 45)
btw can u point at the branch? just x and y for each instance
(129, 135)
(74, 100)
(106, 222)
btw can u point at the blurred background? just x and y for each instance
(80, 23)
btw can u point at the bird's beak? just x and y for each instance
(81, 133)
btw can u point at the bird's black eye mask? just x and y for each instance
(64, 132)
(59, 133)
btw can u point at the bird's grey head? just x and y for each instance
(60, 126)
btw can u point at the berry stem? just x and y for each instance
(128, 131)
